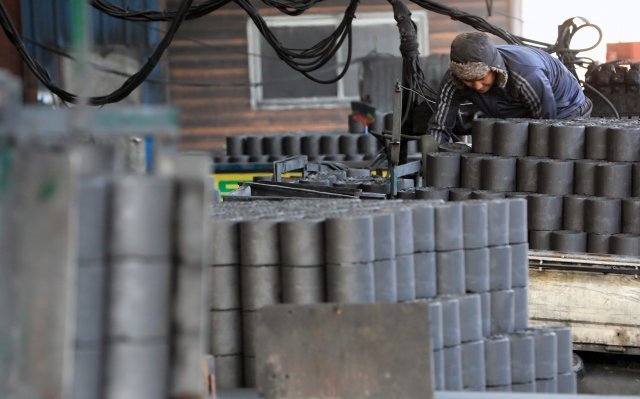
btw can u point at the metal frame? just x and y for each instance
(298, 162)
(411, 168)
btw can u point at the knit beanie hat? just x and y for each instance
(473, 56)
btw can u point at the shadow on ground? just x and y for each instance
(609, 374)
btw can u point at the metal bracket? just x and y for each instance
(290, 164)
(398, 171)
(397, 126)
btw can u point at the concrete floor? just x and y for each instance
(609, 374)
(603, 374)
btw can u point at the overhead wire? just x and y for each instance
(301, 60)
(304, 61)
(562, 47)
(172, 82)
(312, 58)
(605, 98)
(472, 20)
(291, 7)
(117, 95)
(196, 11)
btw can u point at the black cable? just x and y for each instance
(119, 94)
(193, 12)
(599, 93)
(474, 21)
(308, 60)
(169, 82)
(562, 47)
(291, 7)
(303, 61)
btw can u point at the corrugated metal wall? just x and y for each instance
(48, 24)
(214, 49)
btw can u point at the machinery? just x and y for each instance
(614, 89)
(266, 254)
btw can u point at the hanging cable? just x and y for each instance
(304, 61)
(474, 21)
(171, 82)
(291, 7)
(605, 98)
(193, 12)
(562, 46)
(119, 94)
(308, 60)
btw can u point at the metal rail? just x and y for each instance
(594, 263)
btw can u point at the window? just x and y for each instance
(277, 86)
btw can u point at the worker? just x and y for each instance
(505, 81)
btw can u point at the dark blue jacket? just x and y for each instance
(538, 86)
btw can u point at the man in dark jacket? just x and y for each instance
(505, 81)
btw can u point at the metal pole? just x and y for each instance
(81, 49)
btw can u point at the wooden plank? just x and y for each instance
(605, 308)
(577, 259)
(302, 116)
(234, 57)
(251, 129)
(211, 91)
(208, 145)
(256, 128)
(233, 103)
(191, 42)
(205, 74)
(606, 335)
(206, 62)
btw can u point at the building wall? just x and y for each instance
(213, 49)
(118, 47)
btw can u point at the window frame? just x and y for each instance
(254, 39)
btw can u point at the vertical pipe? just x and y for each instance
(80, 31)
(11, 59)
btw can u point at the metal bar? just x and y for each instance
(397, 126)
(81, 35)
(284, 189)
(397, 171)
(547, 258)
(287, 165)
